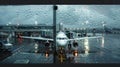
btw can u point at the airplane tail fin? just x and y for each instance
(8, 38)
(61, 27)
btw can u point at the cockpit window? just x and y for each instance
(61, 38)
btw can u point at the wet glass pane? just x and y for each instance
(92, 21)
(26, 14)
(80, 16)
(84, 34)
(20, 21)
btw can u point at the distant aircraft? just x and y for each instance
(3, 34)
(7, 43)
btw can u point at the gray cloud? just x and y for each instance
(26, 14)
(70, 15)
(94, 14)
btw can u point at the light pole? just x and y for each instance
(86, 27)
(103, 24)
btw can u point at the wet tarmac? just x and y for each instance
(105, 50)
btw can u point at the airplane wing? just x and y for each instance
(82, 38)
(39, 38)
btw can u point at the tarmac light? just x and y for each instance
(46, 54)
(86, 45)
(36, 51)
(36, 48)
(102, 45)
(75, 53)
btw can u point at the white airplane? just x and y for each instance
(61, 38)
(3, 34)
(7, 44)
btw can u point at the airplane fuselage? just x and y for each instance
(61, 39)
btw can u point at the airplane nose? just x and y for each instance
(61, 42)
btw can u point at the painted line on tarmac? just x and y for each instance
(15, 52)
(18, 49)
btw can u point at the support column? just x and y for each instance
(54, 32)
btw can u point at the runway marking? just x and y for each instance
(10, 56)
(18, 49)
(26, 53)
(14, 53)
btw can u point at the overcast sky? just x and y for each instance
(70, 15)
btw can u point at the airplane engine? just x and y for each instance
(47, 44)
(75, 44)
